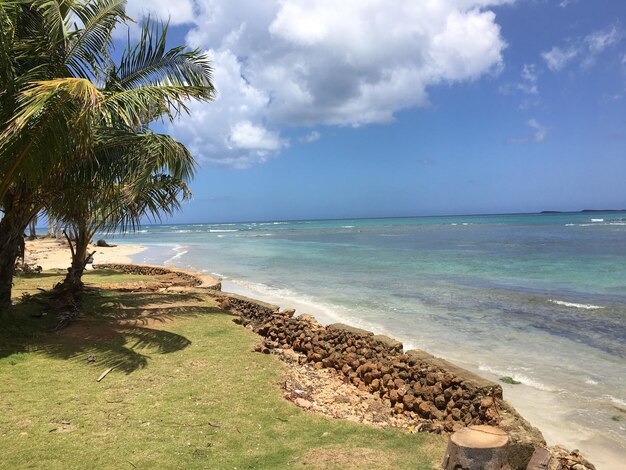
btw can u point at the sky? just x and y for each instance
(380, 108)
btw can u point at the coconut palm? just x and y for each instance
(38, 43)
(140, 175)
(65, 111)
(116, 207)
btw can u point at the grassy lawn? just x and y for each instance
(186, 392)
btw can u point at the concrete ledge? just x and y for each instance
(467, 376)
(349, 329)
(389, 342)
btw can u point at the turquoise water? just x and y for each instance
(541, 298)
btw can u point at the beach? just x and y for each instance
(50, 253)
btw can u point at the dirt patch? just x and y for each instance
(351, 458)
(85, 332)
(64, 426)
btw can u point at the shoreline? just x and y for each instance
(42, 252)
(524, 396)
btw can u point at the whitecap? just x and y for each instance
(181, 251)
(524, 379)
(178, 255)
(575, 305)
(222, 230)
(597, 220)
(617, 401)
(347, 226)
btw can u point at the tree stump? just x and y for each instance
(477, 448)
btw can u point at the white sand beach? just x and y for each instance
(50, 253)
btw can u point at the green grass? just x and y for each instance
(186, 392)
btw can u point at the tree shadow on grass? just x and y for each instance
(122, 330)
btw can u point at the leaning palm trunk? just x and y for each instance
(73, 283)
(14, 222)
(68, 292)
(10, 238)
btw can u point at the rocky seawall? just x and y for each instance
(433, 393)
(177, 277)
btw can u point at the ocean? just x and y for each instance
(537, 297)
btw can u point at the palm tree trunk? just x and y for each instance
(73, 283)
(12, 226)
(32, 235)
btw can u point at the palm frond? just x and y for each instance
(149, 62)
(53, 124)
(90, 44)
(135, 106)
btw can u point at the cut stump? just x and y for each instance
(477, 447)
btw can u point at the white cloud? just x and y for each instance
(529, 80)
(246, 136)
(291, 63)
(527, 85)
(178, 12)
(538, 134)
(556, 58)
(586, 49)
(600, 40)
(312, 136)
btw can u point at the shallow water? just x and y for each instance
(540, 298)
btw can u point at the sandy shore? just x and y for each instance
(52, 254)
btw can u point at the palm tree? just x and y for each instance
(118, 208)
(37, 44)
(137, 181)
(65, 99)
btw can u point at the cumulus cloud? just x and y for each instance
(302, 63)
(538, 134)
(586, 49)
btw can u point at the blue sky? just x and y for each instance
(364, 109)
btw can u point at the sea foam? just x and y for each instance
(575, 305)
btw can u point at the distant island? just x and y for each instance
(584, 211)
